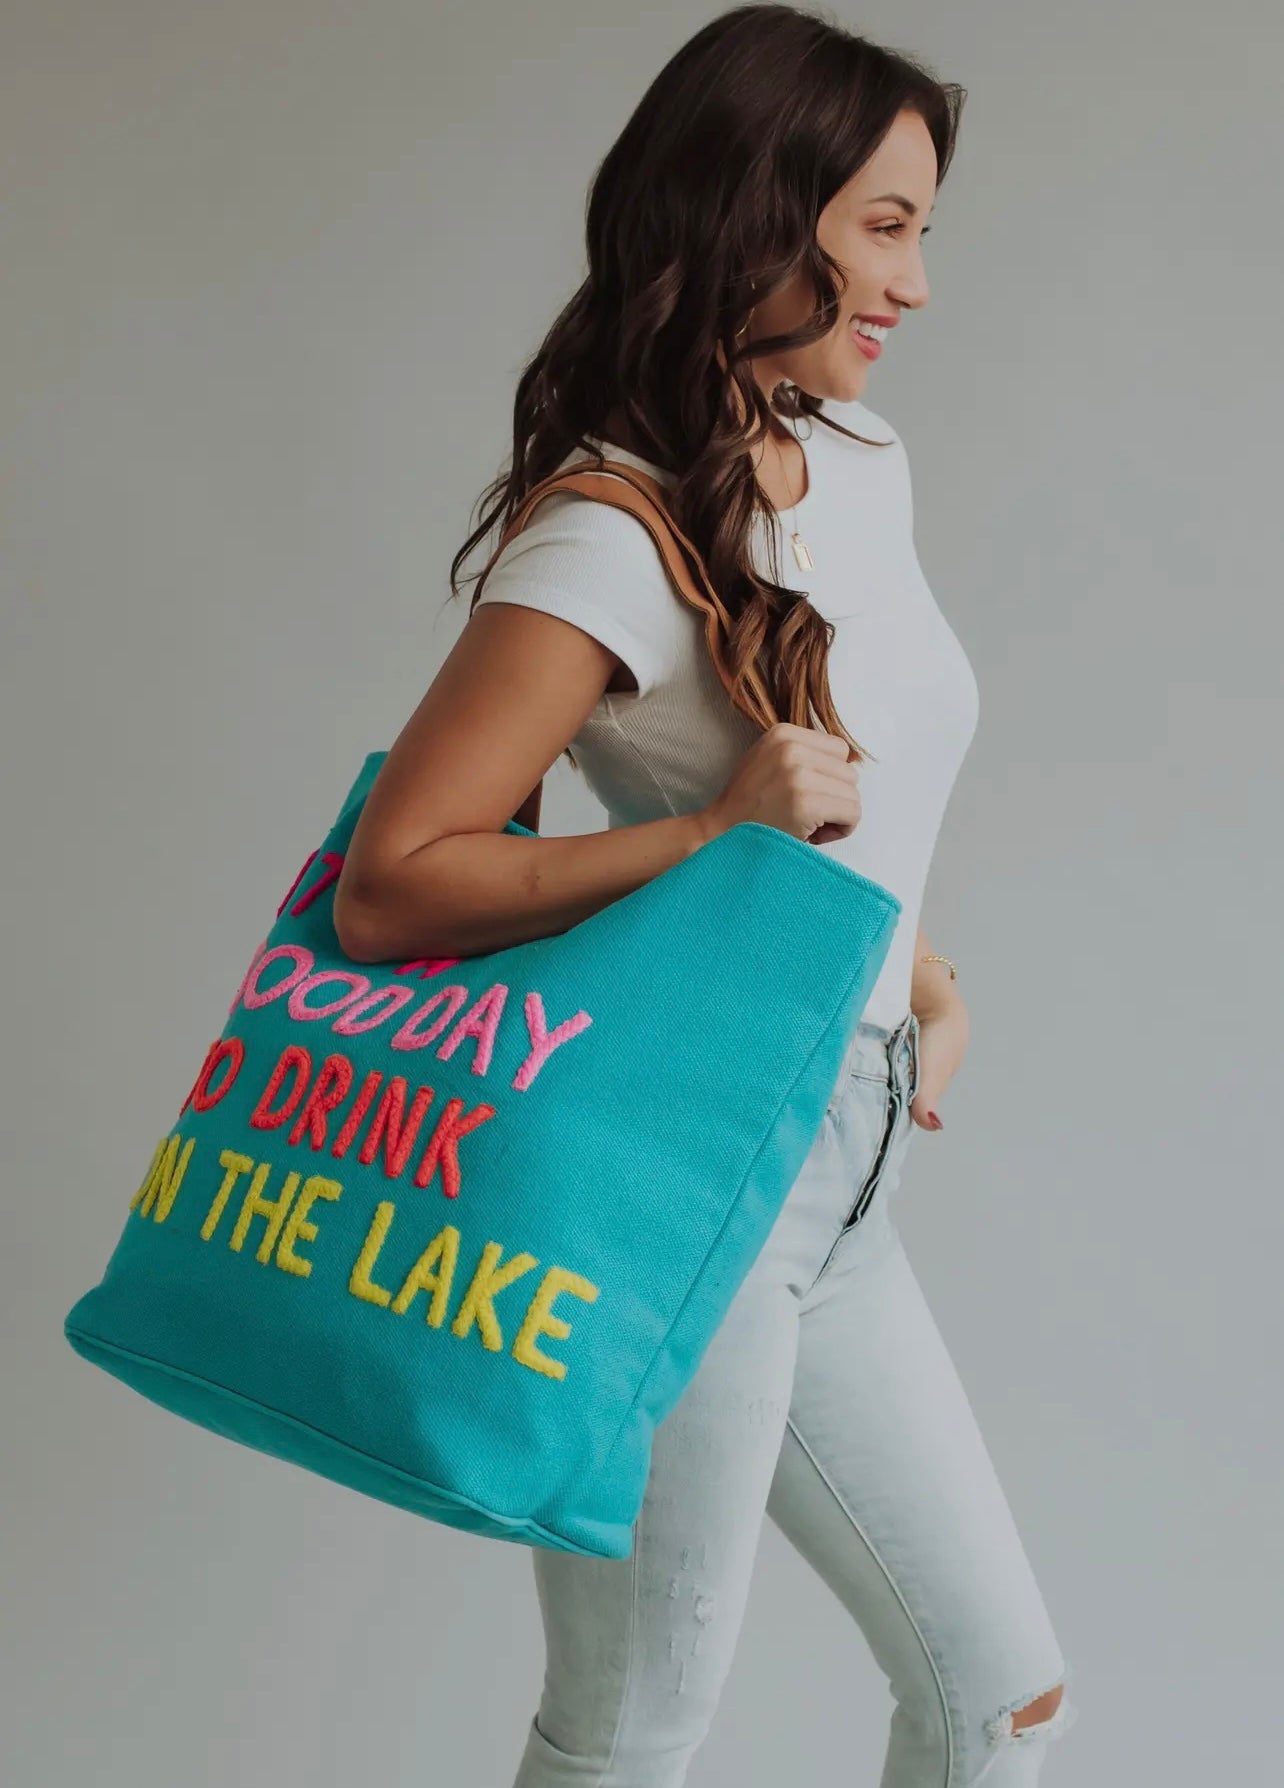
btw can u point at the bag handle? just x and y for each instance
(625, 487)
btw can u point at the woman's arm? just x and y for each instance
(933, 989)
(943, 1021)
(429, 871)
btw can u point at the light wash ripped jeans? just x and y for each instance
(828, 1400)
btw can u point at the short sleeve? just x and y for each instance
(599, 568)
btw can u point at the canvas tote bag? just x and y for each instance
(456, 1233)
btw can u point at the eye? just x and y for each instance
(882, 229)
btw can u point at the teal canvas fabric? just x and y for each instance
(456, 1233)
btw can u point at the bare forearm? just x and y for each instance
(476, 892)
(932, 988)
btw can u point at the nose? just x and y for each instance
(910, 288)
(910, 293)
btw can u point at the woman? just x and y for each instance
(769, 193)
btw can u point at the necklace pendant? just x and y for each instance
(801, 553)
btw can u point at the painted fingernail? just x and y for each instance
(936, 1122)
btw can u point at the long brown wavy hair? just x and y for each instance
(707, 202)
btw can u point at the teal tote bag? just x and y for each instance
(456, 1233)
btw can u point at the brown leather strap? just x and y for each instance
(626, 487)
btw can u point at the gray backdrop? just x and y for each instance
(271, 271)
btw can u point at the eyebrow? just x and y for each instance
(897, 198)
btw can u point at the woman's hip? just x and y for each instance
(839, 1200)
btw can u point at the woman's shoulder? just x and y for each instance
(597, 565)
(582, 543)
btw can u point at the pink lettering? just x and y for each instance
(408, 1037)
(354, 983)
(302, 958)
(481, 1022)
(543, 1040)
(352, 1023)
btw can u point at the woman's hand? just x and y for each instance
(942, 1044)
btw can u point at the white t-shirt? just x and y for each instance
(900, 680)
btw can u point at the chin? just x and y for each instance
(844, 385)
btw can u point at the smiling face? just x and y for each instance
(876, 241)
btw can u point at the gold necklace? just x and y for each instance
(802, 553)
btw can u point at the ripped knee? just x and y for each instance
(1045, 1716)
(1041, 1708)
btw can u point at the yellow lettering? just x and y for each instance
(149, 1178)
(478, 1304)
(422, 1277)
(360, 1284)
(233, 1166)
(273, 1209)
(539, 1319)
(435, 1271)
(299, 1229)
(161, 1186)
